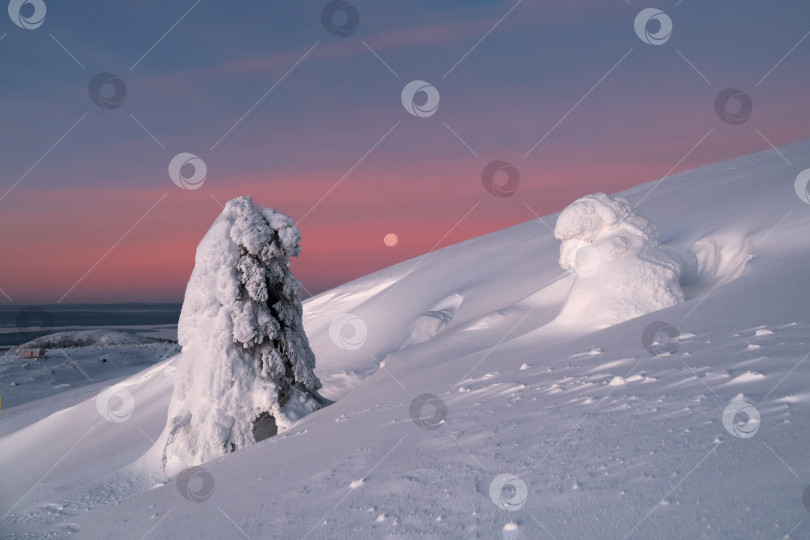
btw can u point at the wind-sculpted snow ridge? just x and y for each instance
(434, 320)
(246, 371)
(622, 271)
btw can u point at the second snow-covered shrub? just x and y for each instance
(622, 271)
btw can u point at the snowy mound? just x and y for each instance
(88, 338)
(622, 272)
(246, 371)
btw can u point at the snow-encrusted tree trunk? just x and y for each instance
(247, 370)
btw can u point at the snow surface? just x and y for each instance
(460, 414)
(75, 359)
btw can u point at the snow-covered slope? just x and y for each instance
(74, 359)
(447, 376)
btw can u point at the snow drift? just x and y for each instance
(621, 270)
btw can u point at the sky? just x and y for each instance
(299, 104)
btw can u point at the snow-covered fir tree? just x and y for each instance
(247, 370)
